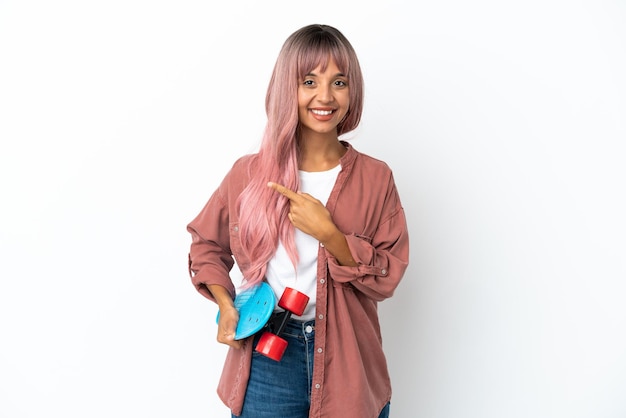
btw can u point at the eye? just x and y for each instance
(341, 83)
(308, 83)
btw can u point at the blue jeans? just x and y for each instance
(283, 389)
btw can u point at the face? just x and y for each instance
(323, 100)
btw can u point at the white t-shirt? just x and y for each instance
(280, 272)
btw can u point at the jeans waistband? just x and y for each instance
(300, 325)
(293, 326)
(299, 329)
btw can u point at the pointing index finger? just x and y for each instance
(289, 194)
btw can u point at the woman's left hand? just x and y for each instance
(310, 216)
(307, 213)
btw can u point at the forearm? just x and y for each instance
(337, 245)
(222, 296)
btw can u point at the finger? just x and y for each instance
(307, 197)
(231, 342)
(228, 338)
(289, 194)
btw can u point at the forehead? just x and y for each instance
(330, 67)
(320, 60)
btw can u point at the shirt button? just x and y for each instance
(319, 350)
(322, 281)
(320, 316)
(309, 329)
(321, 245)
(384, 271)
(236, 229)
(317, 386)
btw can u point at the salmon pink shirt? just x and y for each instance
(350, 374)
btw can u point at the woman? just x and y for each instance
(309, 212)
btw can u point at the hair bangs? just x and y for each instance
(318, 53)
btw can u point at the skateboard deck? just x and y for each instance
(255, 306)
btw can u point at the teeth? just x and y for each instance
(322, 112)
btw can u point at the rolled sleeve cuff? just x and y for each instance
(208, 276)
(364, 255)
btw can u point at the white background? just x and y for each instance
(504, 123)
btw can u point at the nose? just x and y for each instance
(325, 93)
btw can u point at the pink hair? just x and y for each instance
(263, 212)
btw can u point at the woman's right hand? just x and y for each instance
(229, 316)
(227, 325)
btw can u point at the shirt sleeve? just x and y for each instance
(210, 256)
(382, 259)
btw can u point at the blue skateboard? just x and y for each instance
(255, 306)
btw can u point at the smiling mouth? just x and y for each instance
(322, 112)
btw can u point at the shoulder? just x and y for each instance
(242, 167)
(238, 176)
(374, 172)
(245, 162)
(372, 162)
(372, 165)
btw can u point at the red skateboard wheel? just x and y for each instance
(293, 301)
(272, 346)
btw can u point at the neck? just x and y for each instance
(320, 153)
